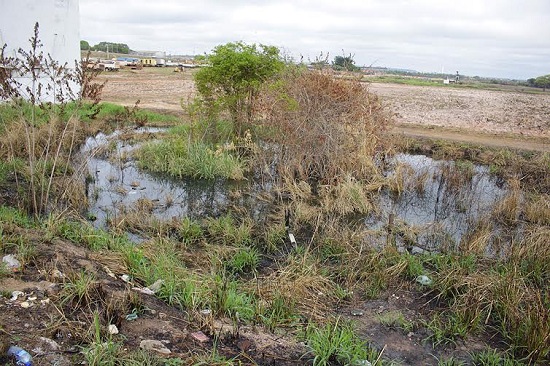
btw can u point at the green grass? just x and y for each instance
(396, 319)
(115, 112)
(491, 357)
(10, 215)
(180, 158)
(338, 342)
(78, 289)
(189, 231)
(226, 231)
(229, 300)
(244, 260)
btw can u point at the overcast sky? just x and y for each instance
(495, 38)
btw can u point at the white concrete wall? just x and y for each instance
(59, 28)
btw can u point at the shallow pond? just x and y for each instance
(438, 201)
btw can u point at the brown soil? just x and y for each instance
(53, 332)
(485, 117)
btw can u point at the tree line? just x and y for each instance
(105, 47)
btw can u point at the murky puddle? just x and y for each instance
(438, 202)
(441, 200)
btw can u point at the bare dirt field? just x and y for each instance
(487, 117)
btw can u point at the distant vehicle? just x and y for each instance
(160, 62)
(109, 66)
(149, 62)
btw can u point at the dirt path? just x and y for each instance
(474, 137)
(492, 118)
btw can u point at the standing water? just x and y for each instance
(439, 201)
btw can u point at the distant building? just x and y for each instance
(59, 32)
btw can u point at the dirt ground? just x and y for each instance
(486, 117)
(54, 334)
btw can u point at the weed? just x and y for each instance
(4, 270)
(190, 231)
(180, 158)
(79, 290)
(280, 311)
(492, 357)
(41, 134)
(10, 215)
(229, 300)
(274, 237)
(450, 362)
(396, 319)
(244, 260)
(145, 358)
(445, 329)
(338, 343)
(226, 231)
(332, 119)
(101, 352)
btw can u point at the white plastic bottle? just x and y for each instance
(22, 357)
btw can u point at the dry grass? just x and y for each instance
(478, 240)
(508, 209)
(302, 280)
(321, 122)
(537, 209)
(347, 197)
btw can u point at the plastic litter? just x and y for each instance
(16, 294)
(22, 357)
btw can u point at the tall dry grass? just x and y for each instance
(327, 128)
(41, 130)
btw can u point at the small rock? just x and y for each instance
(410, 334)
(31, 298)
(162, 315)
(206, 312)
(125, 278)
(424, 280)
(200, 336)
(57, 274)
(45, 345)
(356, 312)
(155, 287)
(417, 250)
(153, 345)
(16, 294)
(112, 329)
(25, 304)
(45, 301)
(11, 262)
(144, 290)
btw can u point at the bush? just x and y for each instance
(321, 122)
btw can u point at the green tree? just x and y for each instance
(84, 45)
(234, 76)
(344, 63)
(543, 82)
(112, 47)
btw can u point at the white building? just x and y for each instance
(59, 31)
